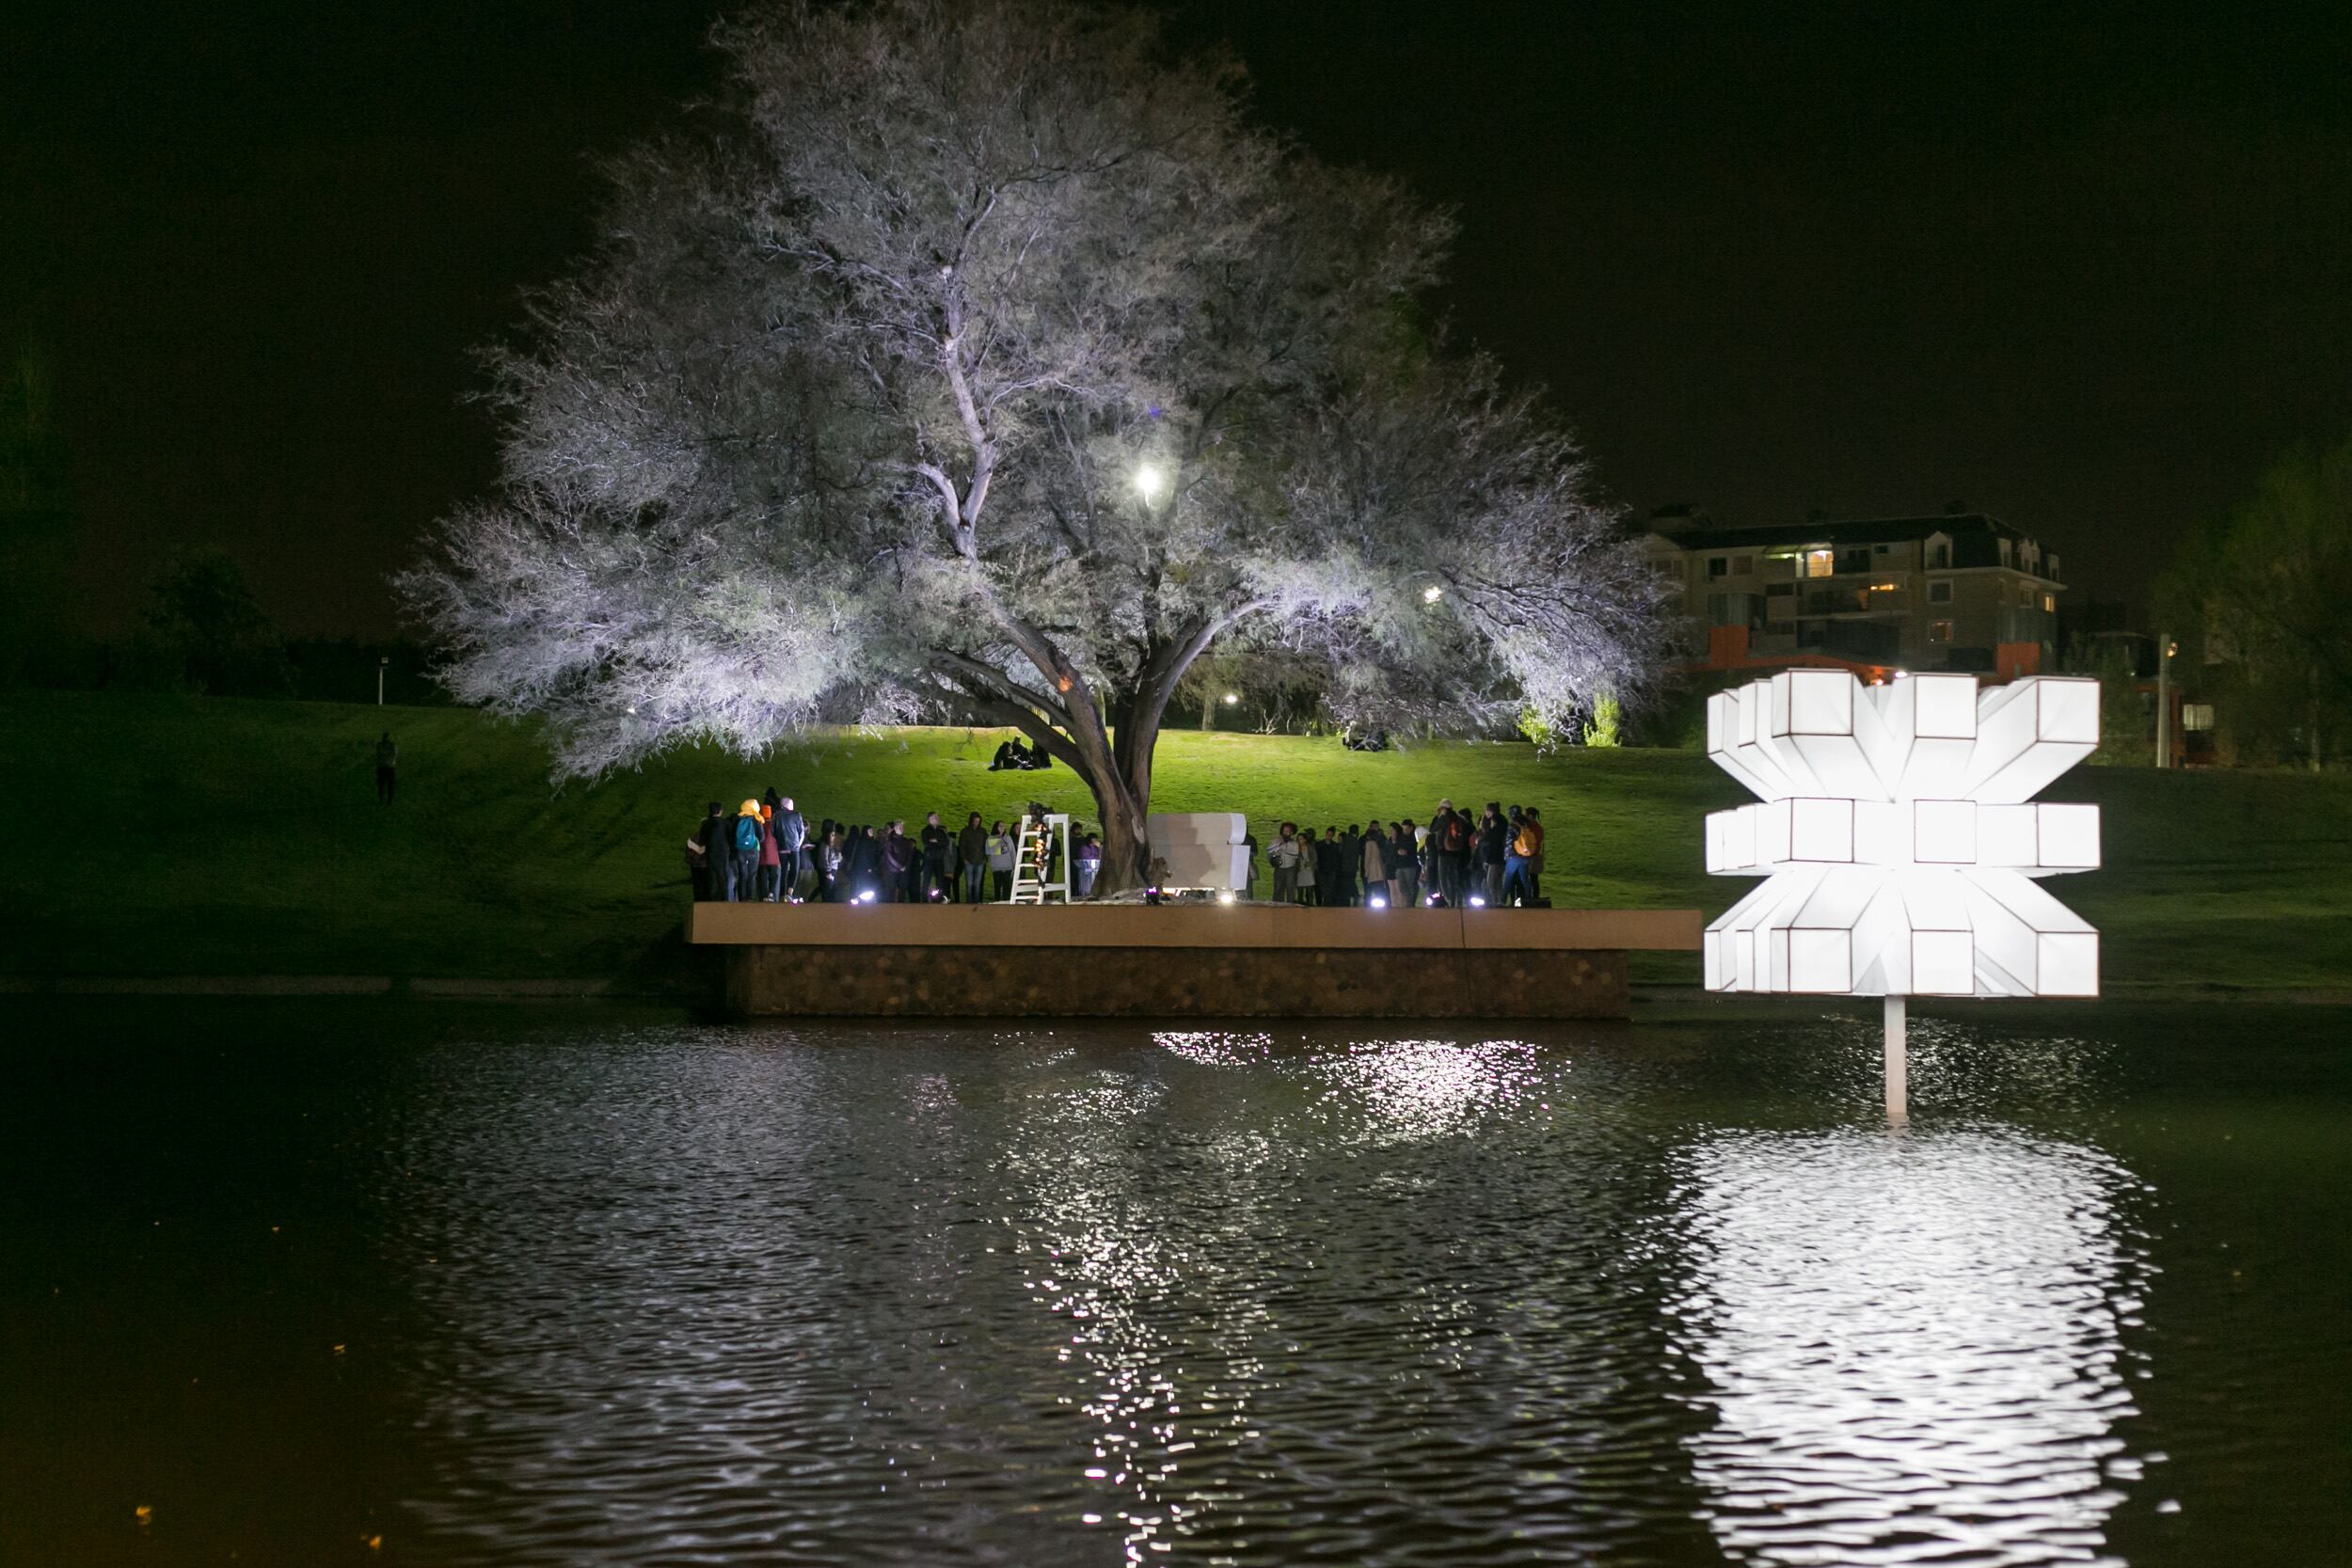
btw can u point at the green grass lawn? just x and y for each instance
(163, 835)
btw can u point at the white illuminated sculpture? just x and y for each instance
(1900, 842)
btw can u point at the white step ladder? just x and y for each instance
(1036, 871)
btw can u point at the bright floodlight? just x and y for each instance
(1432, 593)
(1379, 902)
(865, 897)
(1231, 697)
(1151, 482)
(1226, 896)
(1476, 902)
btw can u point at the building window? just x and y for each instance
(1939, 593)
(1939, 631)
(1820, 563)
(1716, 566)
(1940, 558)
(2049, 604)
(1878, 550)
(1856, 561)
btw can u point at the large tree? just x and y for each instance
(979, 351)
(2262, 590)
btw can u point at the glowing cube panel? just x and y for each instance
(1898, 836)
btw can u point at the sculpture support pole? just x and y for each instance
(1898, 1064)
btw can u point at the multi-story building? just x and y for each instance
(1957, 592)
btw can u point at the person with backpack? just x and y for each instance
(1527, 840)
(743, 842)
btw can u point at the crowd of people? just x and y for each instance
(765, 851)
(1495, 860)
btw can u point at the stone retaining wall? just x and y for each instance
(1190, 982)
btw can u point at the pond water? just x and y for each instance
(362, 1282)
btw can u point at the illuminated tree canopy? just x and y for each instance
(984, 355)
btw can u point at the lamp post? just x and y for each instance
(383, 662)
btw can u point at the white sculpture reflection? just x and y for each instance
(1913, 1346)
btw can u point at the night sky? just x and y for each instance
(2086, 270)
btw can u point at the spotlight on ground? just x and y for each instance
(865, 897)
(1379, 902)
(1476, 902)
(1225, 897)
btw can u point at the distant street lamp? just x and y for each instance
(1432, 593)
(1231, 697)
(383, 662)
(1150, 482)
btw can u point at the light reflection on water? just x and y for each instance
(1097, 1296)
(1912, 1344)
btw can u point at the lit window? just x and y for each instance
(1820, 563)
(1939, 593)
(2049, 604)
(1939, 631)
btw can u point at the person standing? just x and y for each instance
(745, 839)
(771, 858)
(1450, 837)
(1536, 860)
(902, 864)
(972, 860)
(1283, 857)
(1375, 858)
(1525, 838)
(718, 856)
(1492, 836)
(1307, 890)
(386, 767)
(932, 882)
(1001, 846)
(792, 846)
(1331, 870)
(830, 856)
(1403, 864)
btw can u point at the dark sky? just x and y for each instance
(2085, 269)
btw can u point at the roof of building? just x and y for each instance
(1875, 530)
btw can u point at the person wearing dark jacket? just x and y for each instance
(938, 843)
(971, 856)
(902, 864)
(1334, 877)
(792, 845)
(710, 879)
(1403, 865)
(1492, 836)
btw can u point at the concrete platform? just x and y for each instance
(1192, 960)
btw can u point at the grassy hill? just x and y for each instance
(164, 835)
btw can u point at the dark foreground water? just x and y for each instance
(358, 1283)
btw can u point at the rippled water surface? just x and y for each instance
(357, 1282)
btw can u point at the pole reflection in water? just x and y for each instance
(1912, 1343)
